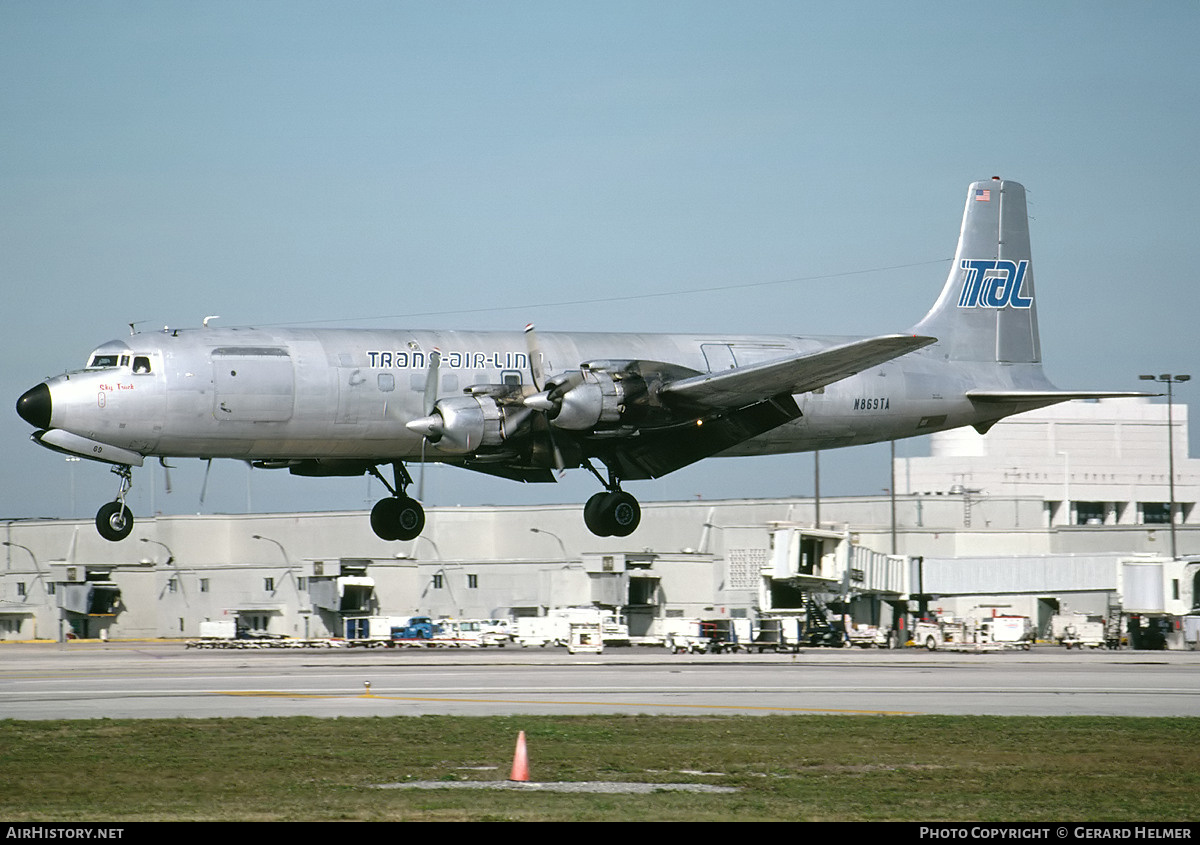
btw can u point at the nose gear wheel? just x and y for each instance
(114, 520)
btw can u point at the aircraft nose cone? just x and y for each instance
(34, 406)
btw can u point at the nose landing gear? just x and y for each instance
(114, 520)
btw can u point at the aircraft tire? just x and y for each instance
(410, 519)
(623, 512)
(594, 515)
(384, 519)
(114, 521)
(397, 518)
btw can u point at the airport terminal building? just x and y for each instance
(1064, 509)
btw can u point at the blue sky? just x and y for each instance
(483, 165)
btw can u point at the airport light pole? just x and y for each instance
(38, 577)
(287, 561)
(26, 548)
(170, 554)
(171, 562)
(1170, 381)
(561, 545)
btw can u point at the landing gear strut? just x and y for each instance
(400, 517)
(613, 512)
(114, 520)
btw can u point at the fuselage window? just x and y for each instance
(141, 364)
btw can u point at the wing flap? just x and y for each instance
(655, 453)
(792, 375)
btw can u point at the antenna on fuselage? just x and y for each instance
(210, 317)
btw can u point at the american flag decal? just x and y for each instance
(983, 195)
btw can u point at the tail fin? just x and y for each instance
(986, 311)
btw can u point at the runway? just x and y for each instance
(164, 680)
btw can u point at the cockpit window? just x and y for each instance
(117, 360)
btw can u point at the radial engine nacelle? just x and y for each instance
(462, 425)
(591, 399)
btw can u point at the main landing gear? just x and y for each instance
(613, 512)
(400, 517)
(114, 520)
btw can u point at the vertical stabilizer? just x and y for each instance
(986, 311)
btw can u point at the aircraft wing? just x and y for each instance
(742, 403)
(743, 386)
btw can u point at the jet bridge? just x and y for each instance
(342, 588)
(89, 599)
(811, 568)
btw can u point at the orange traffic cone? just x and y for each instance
(520, 766)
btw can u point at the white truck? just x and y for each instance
(933, 634)
(991, 633)
(497, 632)
(1076, 630)
(555, 627)
(371, 631)
(867, 636)
(585, 637)
(542, 631)
(219, 629)
(1016, 631)
(684, 636)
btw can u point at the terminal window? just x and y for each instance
(1156, 513)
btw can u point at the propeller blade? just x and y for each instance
(558, 458)
(431, 380)
(421, 483)
(204, 486)
(536, 371)
(548, 398)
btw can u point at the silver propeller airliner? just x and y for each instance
(525, 406)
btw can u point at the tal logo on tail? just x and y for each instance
(993, 283)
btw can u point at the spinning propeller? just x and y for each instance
(544, 400)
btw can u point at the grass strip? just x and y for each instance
(788, 768)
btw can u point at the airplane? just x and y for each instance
(527, 405)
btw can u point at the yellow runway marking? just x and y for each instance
(426, 699)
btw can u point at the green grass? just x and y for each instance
(921, 768)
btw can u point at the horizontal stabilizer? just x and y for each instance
(1042, 398)
(1008, 402)
(796, 374)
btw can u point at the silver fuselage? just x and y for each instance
(346, 394)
